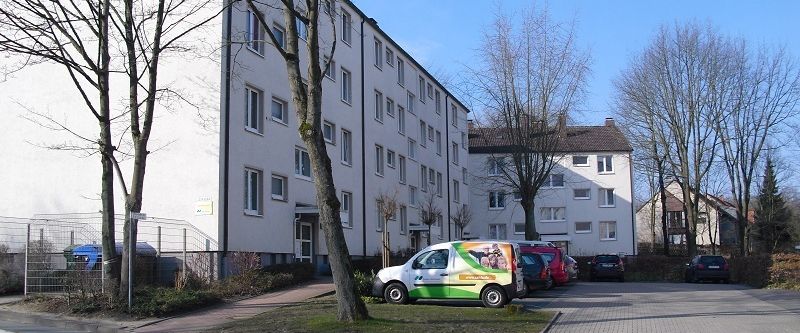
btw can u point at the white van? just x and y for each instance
(484, 270)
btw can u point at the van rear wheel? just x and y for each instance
(396, 293)
(494, 297)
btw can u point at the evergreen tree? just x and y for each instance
(771, 230)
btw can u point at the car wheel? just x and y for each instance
(526, 290)
(493, 297)
(396, 293)
(549, 283)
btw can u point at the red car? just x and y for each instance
(555, 258)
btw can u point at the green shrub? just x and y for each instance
(363, 283)
(150, 301)
(785, 271)
(752, 270)
(301, 271)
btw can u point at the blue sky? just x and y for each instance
(444, 34)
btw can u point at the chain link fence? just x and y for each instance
(63, 253)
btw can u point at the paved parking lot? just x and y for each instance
(669, 307)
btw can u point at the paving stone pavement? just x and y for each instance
(669, 307)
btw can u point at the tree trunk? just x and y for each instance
(663, 198)
(429, 235)
(529, 207)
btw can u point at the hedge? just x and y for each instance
(785, 271)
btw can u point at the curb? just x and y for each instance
(551, 323)
(56, 321)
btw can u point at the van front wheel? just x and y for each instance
(396, 293)
(493, 297)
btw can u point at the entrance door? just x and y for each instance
(303, 242)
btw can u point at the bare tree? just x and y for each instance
(429, 213)
(307, 99)
(461, 218)
(74, 35)
(531, 77)
(387, 206)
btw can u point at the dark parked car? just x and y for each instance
(607, 266)
(571, 266)
(535, 272)
(714, 268)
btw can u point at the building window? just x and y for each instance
(554, 180)
(401, 72)
(330, 72)
(430, 133)
(401, 164)
(496, 165)
(401, 120)
(279, 187)
(439, 143)
(423, 136)
(347, 147)
(378, 106)
(456, 192)
(439, 184)
(454, 115)
(389, 57)
(410, 102)
(412, 149)
(253, 111)
(347, 27)
(347, 209)
(412, 196)
(403, 220)
(302, 29)
(440, 222)
(608, 230)
(455, 153)
(675, 220)
(280, 35)
(253, 184)
(302, 164)
(379, 160)
(581, 194)
(389, 107)
(423, 178)
(438, 101)
(464, 175)
(580, 160)
(583, 227)
(519, 228)
(422, 89)
(347, 86)
(329, 132)
(430, 90)
(516, 195)
(605, 164)
(378, 53)
(497, 200)
(390, 158)
(279, 112)
(255, 39)
(463, 140)
(552, 214)
(606, 197)
(497, 231)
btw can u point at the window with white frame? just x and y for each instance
(423, 178)
(423, 136)
(378, 53)
(608, 230)
(437, 97)
(495, 165)
(302, 29)
(497, 199)
(379, 160)
(331, 71)
(455, 153)
(347, 147)
(347, 27)
(519, 228)
(554, 180)
(464, 175)
(302, 164)
(463, 140)
(605, 164)
(583, 227)
(421, 89)
(255, 34)
(401, 166)
(378, 106)
(279, 187)
(390, 158)
(329, 132)
(389, 107)
(412, 196)
(410, 101)
(253, 111)
(606, 197)
(432, 177)
(280, 35)
(403, 211)
(552, 214)
(516, 195)
(430, 90)
(454, 115)
(580, 160)
(497, 231)
(412, 149)
(430, 133)
(439, 143)
(347, 86)
(253, 184)
(401, 72)
(581, 194)
(389, 57)
(347, 209)
(401, 120)
(456, 192)
(439, 184)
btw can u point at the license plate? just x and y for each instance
(713, 267)
(607, 265)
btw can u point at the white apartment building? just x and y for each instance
(235, 166)
(585, 207)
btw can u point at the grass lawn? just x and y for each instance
(320, 316)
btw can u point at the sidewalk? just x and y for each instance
(209, 318)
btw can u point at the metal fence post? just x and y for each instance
(27, 250)
(184, 254)
(158, 254)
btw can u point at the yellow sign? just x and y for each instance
(473, 277)
(204, 207)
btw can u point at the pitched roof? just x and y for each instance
(579, 139)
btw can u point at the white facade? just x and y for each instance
(586, 208)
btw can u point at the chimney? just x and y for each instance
(610, 122)
(470, 124)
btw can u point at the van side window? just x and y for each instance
(432, 260)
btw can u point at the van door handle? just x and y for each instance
(443, 274)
